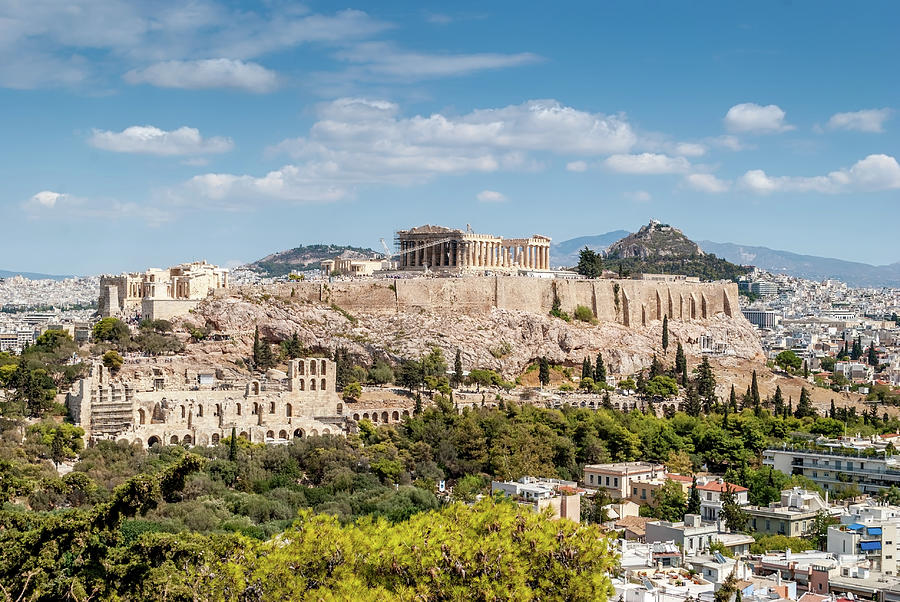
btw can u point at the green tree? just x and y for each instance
(732, 514)
(112, 360)
(111, 330)
(587, 371)
(590, 264)
(778, 401)
(665, 333)
(457, 378)
(872, 355)
(754, 392)
(661, 386)
(681, 364)
(788, 361)
(706, 381)
(692, 404)
(670, 502)
(600, 370)
(693, 504)
(804, 406)
(233, 445)
(62, 441)
(352, 391)
(544, 372)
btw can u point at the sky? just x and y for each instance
(138, 134)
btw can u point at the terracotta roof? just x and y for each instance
(679, 477)
(635, 524)
(721, 487)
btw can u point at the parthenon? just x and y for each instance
(447, 249)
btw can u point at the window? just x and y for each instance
(288, 410)
(271, 407)
(200, 411)
(615, 481)
(607, 481)
(708, 496)
(238, 408)
(322, 387)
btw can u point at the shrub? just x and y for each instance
(584, 314)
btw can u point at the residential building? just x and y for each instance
(838, 464)
(761, 318)
(877, 543)
(711, 494)
(692, 534)
(618, 479)
(562, 497)
(793, 515)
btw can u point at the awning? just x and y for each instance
(855, 527)
(874, 530)
(866, 546)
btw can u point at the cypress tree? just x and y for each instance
(693, 504)
(805, 369)
(832, 412)
(232, 445)
(544, 372)
(600, 370)
(804, 406)
(873, 357)
(681, 364)
(778, 401)
(732, 398)
(665, 333)
(754, 391)
(692, 405)
(587, 371)
(457, 370)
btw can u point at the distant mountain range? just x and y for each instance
(32, 275)
(807, 266)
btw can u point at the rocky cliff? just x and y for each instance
(502, 339)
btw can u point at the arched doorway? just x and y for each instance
(187, 440)
(173, 440)
(282, 434)
(154, 440)
(298, 434)
(215, 439)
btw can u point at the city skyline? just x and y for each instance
(228, 132)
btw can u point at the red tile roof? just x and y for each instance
(678, 477)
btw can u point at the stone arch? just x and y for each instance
(255, 409)
(253, 387)
(137, 442)
(302, 385)
(339, 408)
(384, 417)
(312, 368)
(244, 435)
(282, 434)
(173, 439)
(142, 417)
(158, 415)
(693, 308)
(314, 433)
(187, 440)
(238, 409)
(271, 407)
(183, 411)
(356, 417)
(326, 432)
(199, 411)
(322, 386)
(270, 435)
(322, 371)
(215, 439)
(704, 306)
(301, 368)
(406, 413)
(153, 440)
(366, 415)
(312, 384)
(395, 416)
(288, 410)
(298, 433)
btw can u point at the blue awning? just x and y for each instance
(855, 527)
(869, 545)
(874, 530)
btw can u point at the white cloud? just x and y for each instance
(647, 163)
(690, 149)
(577, 166)
(146, 139)
(386, 59)
(705, 182)
(45, 198)
(867, 120)
(203, 74)
(874, 173)
(727, 141)
(491, 196)
(639, 196)
(358, 141)
(753, 118)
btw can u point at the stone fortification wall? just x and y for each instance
(628, 302)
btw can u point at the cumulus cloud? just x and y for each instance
(690, 149)
(874, 173)
(867, 120)
(757, 119)
(45, 198)
(357, 141)
(150, 140)
(647, 163)
(204, 74)
(728, 142)
(705, 182)
(304, 184)
(491, 196)
(576, 166)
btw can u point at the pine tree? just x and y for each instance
(544, 372)
(754, 391)
(692, 405)
(706, 381)
(457, 370)
(665, 334)
(873, 357)
(232, 445)
(804, 406)
(600, 370)
(587, 371)
(681, 364)
(693, 503)
(778, 401)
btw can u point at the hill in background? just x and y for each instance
(565, 253)
(32, 275)
(305, 257)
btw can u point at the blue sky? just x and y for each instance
(147, 133)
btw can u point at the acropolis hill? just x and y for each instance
(499, 322)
